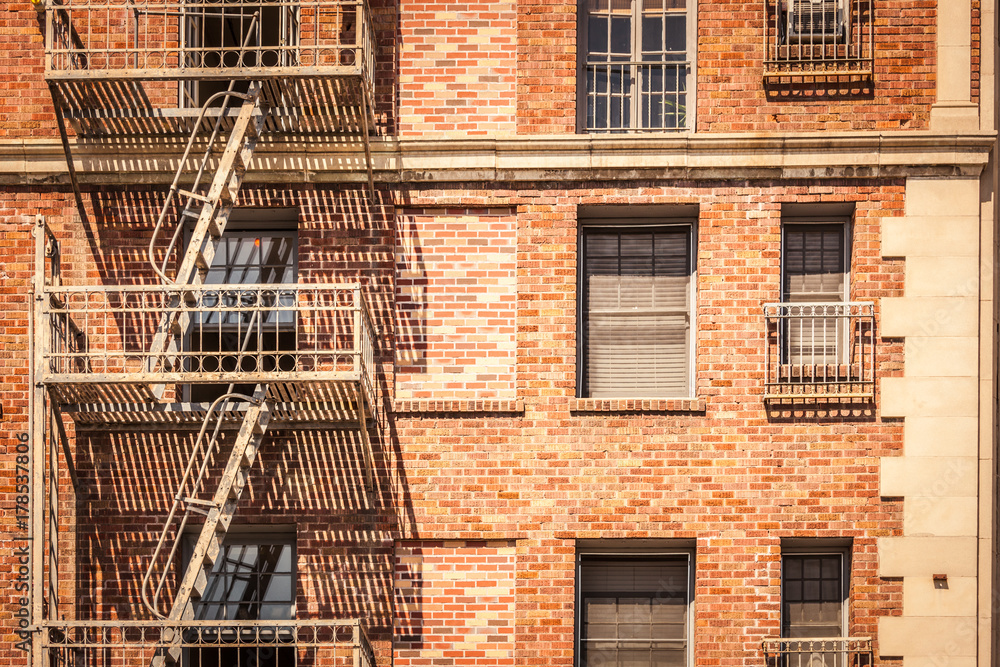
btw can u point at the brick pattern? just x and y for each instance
(456, 68)
(546, 66)
(455, 603)
(456, 296)
(425, 406)
(731, 475)
(732, 98)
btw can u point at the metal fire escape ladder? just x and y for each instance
(211, 214)
(210, 210)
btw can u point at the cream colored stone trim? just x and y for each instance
(954, 109)
(563, 157)
(940, 397)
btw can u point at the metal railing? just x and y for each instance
(820, 350)
(634, 96)
(295, 332)
(203, 39)
(819, 38)
(276, 643)
(819, 652)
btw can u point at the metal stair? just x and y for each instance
(217, 512)
(210, 211)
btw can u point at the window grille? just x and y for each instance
(819, 38)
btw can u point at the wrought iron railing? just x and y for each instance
(204, 39)
(819, 38)
(275, 643)
(819, 652)
(820, 350)
(235, 333)
(637, 96)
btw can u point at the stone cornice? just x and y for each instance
(125, 160)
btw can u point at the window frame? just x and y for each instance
(691, 78)
(843, 221)
(193, 93)
(819, 548)
(624, 553)
(246, 223)
(818, 221)
(641, 220)
(286, 536)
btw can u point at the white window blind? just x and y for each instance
(637, 320)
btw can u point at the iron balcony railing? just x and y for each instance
(235, 333)
(819, 38)
(276, 643)
(820, 350)
(819, 652)
(637, 96)
(207, 39)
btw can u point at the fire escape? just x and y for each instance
(225, 75)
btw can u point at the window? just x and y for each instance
(807, 38)
(813, 21)
(253, 579)
(635, 67)
(634, 610)
(261, 252)
(235, 34)
(636, 295)
(814, 594)
(815, 270)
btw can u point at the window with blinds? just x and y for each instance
(636, 312)
(815, 262)
(634, 610)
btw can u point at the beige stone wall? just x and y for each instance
(938, 475)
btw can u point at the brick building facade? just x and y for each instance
(597, 333)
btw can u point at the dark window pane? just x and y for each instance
(621, 35)
(597, 36)
(652, 34)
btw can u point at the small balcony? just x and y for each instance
(805, 39)
(148, 66)
(312, 344)
(818, 652)
(271, 643)
(820, 351)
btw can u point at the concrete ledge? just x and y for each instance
(569, 157)
(423, 406)
(637, 405)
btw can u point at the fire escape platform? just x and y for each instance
(148, 66)
(312, 345)
(321, 405)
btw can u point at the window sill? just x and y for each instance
(697, 404)
(433, 406)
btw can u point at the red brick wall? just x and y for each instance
(455, 602)
(478, 69)
(456, 299)
(456, 68)
(733, 476)
(731, 95)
